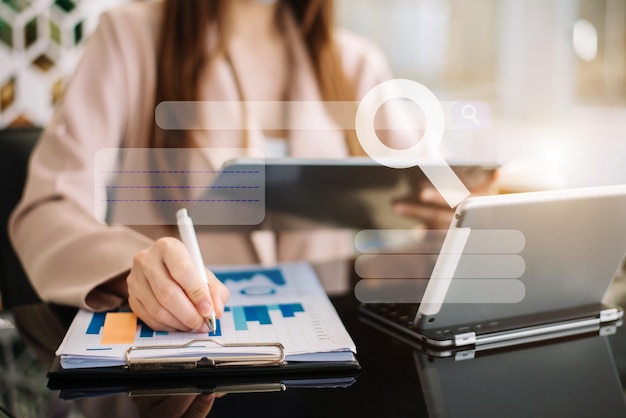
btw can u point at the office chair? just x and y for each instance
(15, 148)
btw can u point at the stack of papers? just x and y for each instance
(284, 304)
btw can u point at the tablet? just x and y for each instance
(347, 193)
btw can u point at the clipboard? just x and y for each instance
(283, 330)
(209, 364)
(188, 376)
(168, 376)
(85, 383)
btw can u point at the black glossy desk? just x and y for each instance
(579, 377)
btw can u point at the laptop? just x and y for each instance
(515, 266)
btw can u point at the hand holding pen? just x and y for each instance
(188, 235)
(167, 289)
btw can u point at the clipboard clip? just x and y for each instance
(201, 361)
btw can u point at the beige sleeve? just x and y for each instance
(363, 61)
(65, 250)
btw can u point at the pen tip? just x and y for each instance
(211, 324)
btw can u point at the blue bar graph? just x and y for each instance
(260, 313)
(289, 311)
(242, 315)
(96, 323)
(239, 317)
(144, 330)
(147, 332)
(257, 313)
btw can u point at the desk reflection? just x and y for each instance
(574, 378)
(188, 406)
(567, 378)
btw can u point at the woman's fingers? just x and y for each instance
(219, 293)
(429, 206)
(183, 286)
(167, 292)
(162, 322)
(435, 217)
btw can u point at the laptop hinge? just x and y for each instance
(466, 338)
(608, 330)
(465, 355)
(608, 315)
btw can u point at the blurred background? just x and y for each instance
(547, 78)
(552, 72)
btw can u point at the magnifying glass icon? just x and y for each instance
(469, 112)
(437, 170)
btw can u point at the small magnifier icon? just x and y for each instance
(440, 174)
(470, 115)
(469, 112)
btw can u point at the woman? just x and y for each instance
(141, 55)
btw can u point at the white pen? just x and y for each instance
(188, 235)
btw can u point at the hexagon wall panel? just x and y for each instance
(40, 44)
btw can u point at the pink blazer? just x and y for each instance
(57, 228)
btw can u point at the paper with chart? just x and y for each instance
(283, 304)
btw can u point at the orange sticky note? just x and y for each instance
(119, 328)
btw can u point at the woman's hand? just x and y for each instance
(429, 209)
(429, 206)
(175, 406)
(166, 291)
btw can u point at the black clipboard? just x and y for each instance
(173, 368)
(142, 356)
(98, 381)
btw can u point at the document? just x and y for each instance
(282, 306)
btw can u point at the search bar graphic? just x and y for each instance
(229, 115)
